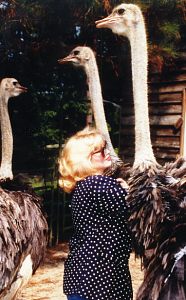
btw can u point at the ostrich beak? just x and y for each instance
(23, 89)
(69, 58)
(106, 22)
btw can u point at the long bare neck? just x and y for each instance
(6, 139)
(143, 147)
(97, 103)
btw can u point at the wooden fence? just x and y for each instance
(167, 112)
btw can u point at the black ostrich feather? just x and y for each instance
(176, 169)
(23, 232)
(119, 169)
(154, 192)
(165, 274)
(20, 182)
(146, 210)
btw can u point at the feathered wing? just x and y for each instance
(176, 169)
(146, 210)
(23, 232)
(165, 276)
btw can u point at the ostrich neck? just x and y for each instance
(6, 139)
(97, 103)
(143, 147)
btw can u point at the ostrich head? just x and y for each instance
(78, 56)
(11, 87)
(122, 20)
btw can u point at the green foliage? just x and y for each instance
(165, 21)
(171, 31)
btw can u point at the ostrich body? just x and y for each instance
(84, 57)
(156, 194)
(23, 227)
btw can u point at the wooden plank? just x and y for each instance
(159, 144)
(167, 103)
(164, 92)
(161, 153)
(164, 154)
(163, 141)
(171, 81)
(164, 132)
(157, 141)
(160, 131)
(168, 88)
(157, 97)
(165, 97)
(156, 108)
(162, 158)
(183, 129)
(168, 120)
(180, 76)
(128, 156)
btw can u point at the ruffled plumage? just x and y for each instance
(165, 237)
(23, 231)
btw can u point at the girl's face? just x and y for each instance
(101, 159)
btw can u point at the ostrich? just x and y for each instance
(145, 166)
(9, 87)
(23, 227)
(157, 194)
(84, 56)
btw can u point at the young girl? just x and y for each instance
(97, 265)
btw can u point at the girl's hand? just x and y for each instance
(123, 183)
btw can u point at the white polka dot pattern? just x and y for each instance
(97, 265)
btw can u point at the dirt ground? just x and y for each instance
(46, 283)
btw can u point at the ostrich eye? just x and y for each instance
(121, 11)
(15, 83)
(76, 52)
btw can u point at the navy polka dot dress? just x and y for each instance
(97, 265)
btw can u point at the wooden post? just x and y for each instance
(183, 128)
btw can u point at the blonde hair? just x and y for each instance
(75, 158)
